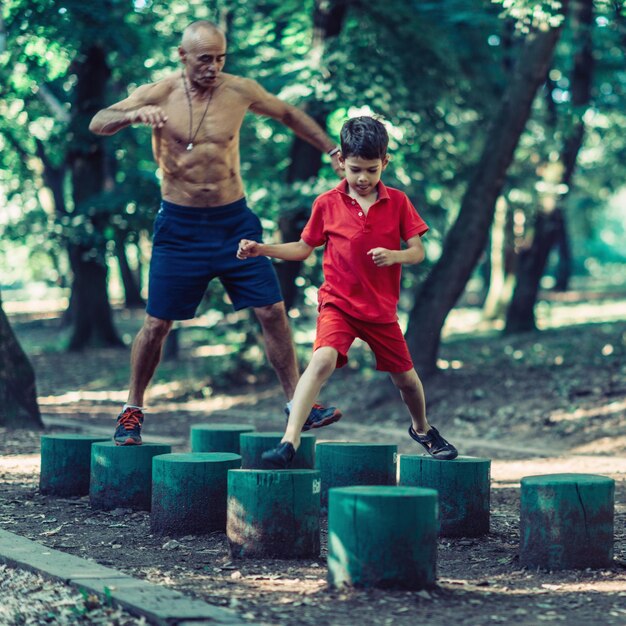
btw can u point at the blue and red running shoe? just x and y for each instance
(128, 430)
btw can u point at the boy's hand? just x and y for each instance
(247, 249)
(383, 257)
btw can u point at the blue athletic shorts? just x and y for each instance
(192, 246)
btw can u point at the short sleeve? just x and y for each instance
(411, 223)
(313, 233)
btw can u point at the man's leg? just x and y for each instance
(279, 345)
(145, 356)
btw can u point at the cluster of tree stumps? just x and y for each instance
(382, 532)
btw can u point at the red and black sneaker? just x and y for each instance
(128, 431)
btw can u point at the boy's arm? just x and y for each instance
(413, 253)
(292, 251)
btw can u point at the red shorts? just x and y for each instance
(338, 330)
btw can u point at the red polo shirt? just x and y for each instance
(351, 280)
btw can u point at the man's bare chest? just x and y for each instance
(215, 120)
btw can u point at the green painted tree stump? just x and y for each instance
(566, 521)
(273, 514)
(346, 464)
(121, 476)
(217, 437)
(253, 445)
(65, 462)
(382, 536)
(189, 492)
(463, 486)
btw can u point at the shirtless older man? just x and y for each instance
(196, 115)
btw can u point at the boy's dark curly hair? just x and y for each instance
(364, 137)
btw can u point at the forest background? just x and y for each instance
(506, 122)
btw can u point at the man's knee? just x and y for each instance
(272, 315)
(156, 328)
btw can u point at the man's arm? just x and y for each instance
(292, 251)
(302, 124)
(412, 254)
(141, 107)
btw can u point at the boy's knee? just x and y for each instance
(324, 361)
(407, 382)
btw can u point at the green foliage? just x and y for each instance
(434, 71)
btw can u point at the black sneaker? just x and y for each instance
(128, 431)
(279, 457)
(435, 444)
(319, 416)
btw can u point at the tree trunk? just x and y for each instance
(328, 17)
(18, 394)
(91, 314)
(467, 237)
(502, 259)
(132, 290)
(550, 222)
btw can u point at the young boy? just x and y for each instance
(361, 223)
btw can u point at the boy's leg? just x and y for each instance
(412, 391)
(318, 371)
(281, 354)
(321, 366)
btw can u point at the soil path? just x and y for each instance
(554, 402)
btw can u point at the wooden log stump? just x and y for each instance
(65, 462)
(273, 514)
(566, 521)
(189, 492)
(382, 536)
(345, 464)
(217, 437)
(463, 485)
(253, 445)
(121, 476)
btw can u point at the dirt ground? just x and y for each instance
(534, 404)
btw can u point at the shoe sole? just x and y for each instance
(128, 442)
(331, 419)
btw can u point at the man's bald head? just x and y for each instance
(198, 31)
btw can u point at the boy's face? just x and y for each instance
(363, 174)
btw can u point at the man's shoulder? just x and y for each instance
(160, 89)
(239, 83)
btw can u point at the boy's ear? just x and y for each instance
(385, 161)
(342, 162)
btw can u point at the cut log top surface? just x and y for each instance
(562, 479)
(384, 491)
(198, 457)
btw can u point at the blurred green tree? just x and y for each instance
(466, 239)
